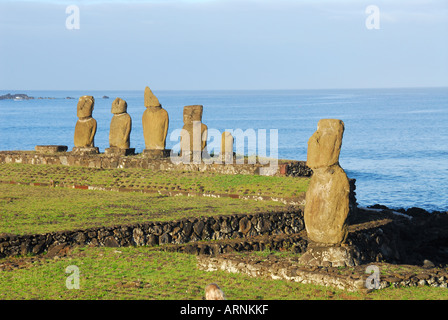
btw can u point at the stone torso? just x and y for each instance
(120, 129)
(201, 140)
(85, 130)
(327, 205)
(155, 127)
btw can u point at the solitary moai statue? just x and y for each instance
(85, 128)
(194, 133)
(327, 198)
(227, 147)
(155, 122)
(120, 129)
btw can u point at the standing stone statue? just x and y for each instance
(227, 147)
(327, 198)
(155, 122)
(85, 128)
(120, 129)
(193, 139)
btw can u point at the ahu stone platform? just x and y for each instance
(117, 161)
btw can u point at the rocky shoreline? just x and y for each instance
(23, 96)
(411, 211)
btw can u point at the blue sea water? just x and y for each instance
(395, 142)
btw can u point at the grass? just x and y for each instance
(28, 210)
(202, 182)
(145, 273)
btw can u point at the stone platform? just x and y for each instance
(113, 151)
(114, 161)
(85, 150)
(156, 154)
(352, 279)
(51, 148)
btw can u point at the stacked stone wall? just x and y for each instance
(103, 161)
(158, 233)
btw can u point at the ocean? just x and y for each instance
(395, 142)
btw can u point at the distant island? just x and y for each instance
(23, 96)
(18, 96)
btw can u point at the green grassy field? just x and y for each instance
(30, 210)
(142, 272)
(203, 182)
(145, 273)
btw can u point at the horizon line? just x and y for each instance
(297, 89)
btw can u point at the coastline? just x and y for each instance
(398, 175)
(24, 96)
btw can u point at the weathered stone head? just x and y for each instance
(324, 146)
(119, 106)
(85, 107)
(192, 113)
(150, 99)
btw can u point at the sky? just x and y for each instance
(223, 44)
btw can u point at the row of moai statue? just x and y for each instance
(155, 121)
(327, 205)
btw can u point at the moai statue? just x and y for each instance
(327, 198)
(193, 139)
(155, 122)
(120, 129)
(85, 128)
(227, 147)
